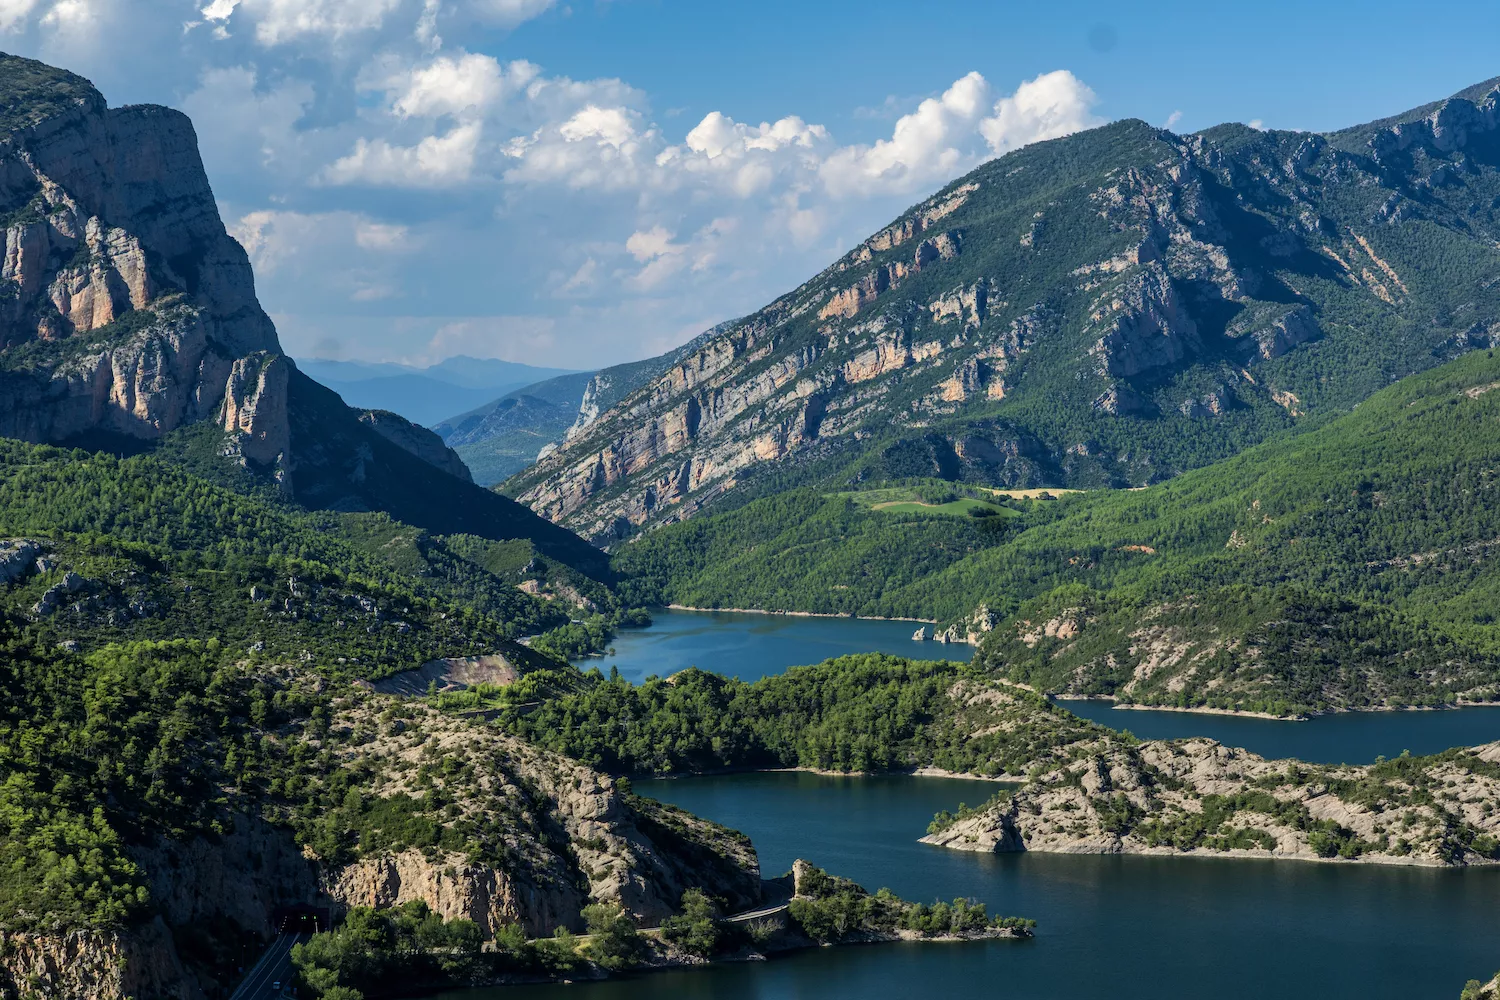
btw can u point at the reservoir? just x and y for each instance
(1346, 738)
(1125, 928)
(750, 646)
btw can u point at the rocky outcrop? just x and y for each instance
(572, 836)
(95, 965)
(1200, 797)
(972, 629)
(18, 558)
(559, 836)
(1148, 325)
(126, 308)
(419, 441)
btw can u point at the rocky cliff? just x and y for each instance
(1104, 309)
(128, 313)
(555, 835)
(125, 307)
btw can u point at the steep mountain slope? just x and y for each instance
(127, 314)
(505, 436)
(1105, 309)
(1344, 566)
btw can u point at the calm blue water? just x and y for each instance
(1124, 928)
(752, 646)
(1351, 738)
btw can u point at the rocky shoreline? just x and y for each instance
(1199, 798)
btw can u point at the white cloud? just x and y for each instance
(72, 17)
(279, 22)
(923, 147)
(16, 14)
(1172, 120)
(447, 85)
(582, 279)
(218, 10)
(1257, 124)
(610, 126)
(509, 13)
(1053, 105)
(434, 162)
(655, 242)
(382, 236)
(718, 135)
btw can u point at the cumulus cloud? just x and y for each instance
(434, 162)
(1053, 105)
(924, 146)
(509, 13)
(346, 136)
(469, 83)
(279, 22)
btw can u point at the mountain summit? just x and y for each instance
(1109, 308)
(129, 315)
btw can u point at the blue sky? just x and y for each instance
(578, 184)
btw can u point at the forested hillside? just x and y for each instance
(1344, 566)
(1103, 310)
(112, 550)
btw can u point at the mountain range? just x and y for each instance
(508, 434)
(425, 395)
(1106, 309)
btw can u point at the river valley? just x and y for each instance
(1119, 927)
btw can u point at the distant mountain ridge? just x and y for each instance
(1109, 308)
(506, 435)
(425, 395)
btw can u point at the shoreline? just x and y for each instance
(799, 614)
(1267, 716)
(919, 772)
(1230, 854)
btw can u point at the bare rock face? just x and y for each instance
(95, 965)
(1154, 797)
(1077, 288)
(419, 441)
(624, 850)
(125, 307)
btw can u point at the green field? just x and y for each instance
(937, 497)
(963, 507)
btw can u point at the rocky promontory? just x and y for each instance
(1201, 797)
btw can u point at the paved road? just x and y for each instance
(777, 897)
(275, 966)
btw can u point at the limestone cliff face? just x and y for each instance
(1121, 276)
(96, 965)
(570, 837)
(619, 848)
(126, 309)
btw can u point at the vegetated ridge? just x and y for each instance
(1346, 566)
(1105, 309)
